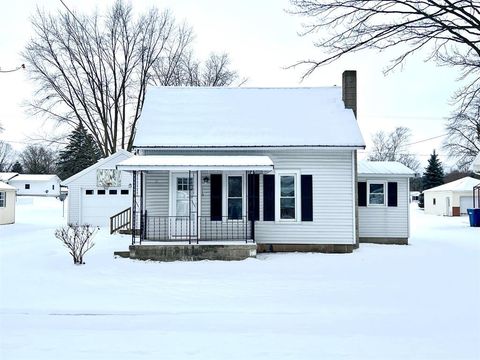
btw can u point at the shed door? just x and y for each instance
(466, 202)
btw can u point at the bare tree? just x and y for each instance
(393, 146)
(449, 30)
(7, 156)
(463, 135)
(37, 159)
(78, 239)
(94, 70)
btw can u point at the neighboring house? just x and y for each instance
(7, 204)
(272, 165)
(99, 191)
(451, 199)
(36, 185)
(414, 195)
(383, 202)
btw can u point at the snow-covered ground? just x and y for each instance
(420, 301)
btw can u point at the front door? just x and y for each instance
(184, 206)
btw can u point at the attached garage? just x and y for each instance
(451, 199)
(99, 192)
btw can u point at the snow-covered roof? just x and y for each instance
(208, 162)
(464, 184)
(4, 186)
(366, 167)
(6, 176)
(35, 177)
(98, 164)
(475, 167)
(242, 117)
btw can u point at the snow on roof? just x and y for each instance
(35, 177)
(225, 117)
(475, 167)
(4, 186)
(6, 176)
(195, 162)
(464, 184)
(366, 167)
(96, 165)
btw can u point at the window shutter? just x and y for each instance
(362, 193)
(268, 197)
(307, 197)
(216, 197)
(392, 194)
(253, 197)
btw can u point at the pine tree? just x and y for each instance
(80, 153)
(17, 168)
(433, 175)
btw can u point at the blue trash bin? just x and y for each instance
(474, 217)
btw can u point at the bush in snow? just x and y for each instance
(78, 240)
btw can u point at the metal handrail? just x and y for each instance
(122, 220)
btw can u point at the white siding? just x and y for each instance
(7, 213)
(386, 221)
(37, 188)
(157, 193)
(440, 206)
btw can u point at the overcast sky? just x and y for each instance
(261, 39)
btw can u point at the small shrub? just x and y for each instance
(77, 239)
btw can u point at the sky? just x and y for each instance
(261, 39)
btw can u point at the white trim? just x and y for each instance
(384, 183)
(298, 214)
(225, 176)
(354, 197)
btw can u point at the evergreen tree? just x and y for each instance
(17, 168)
(80, 153)
(433, 175)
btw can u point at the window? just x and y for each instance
(234, 197)
(124, 192)
(53, 187)
(434, 201)
(2, 199)
(376, 193)
(88, 192)
(112, 192)
(183, 183)
(100, 192)
(27, 186)
(287, 197)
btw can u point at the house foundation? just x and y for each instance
(385, 240)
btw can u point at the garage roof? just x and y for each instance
(194, 162)
(464, 184)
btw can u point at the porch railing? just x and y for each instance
(201, 228)
(120, 221)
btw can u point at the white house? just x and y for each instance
(7, 204)
(99, 191)
(451, 199)
(36, 185)
(383, 202)
(275, 166)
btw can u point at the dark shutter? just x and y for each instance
(268, 197)
(362, 193)
(392, 194)
(253, 197)
(307, 198)
(216, 197)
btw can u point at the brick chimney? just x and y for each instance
(349, 90)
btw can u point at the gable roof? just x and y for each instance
(4, 186)
(244, 117)
(35, 177)
(99, 163)
(366, 167)
(464, 184)
(6, 176)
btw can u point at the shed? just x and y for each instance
(451, 199)
(99, 191)
(7, 204)
(36, 184)
(383, 202)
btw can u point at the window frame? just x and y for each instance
(297, 186)
(225, 176)
(3, 199)
(377, 182)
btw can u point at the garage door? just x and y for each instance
(466, 202)
(99, 204)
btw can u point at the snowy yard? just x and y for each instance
(420, 301)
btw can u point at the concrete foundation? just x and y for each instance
(384, 240)
(322, 248)
(193, 252)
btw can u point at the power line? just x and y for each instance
(12, 70)
(420, 141)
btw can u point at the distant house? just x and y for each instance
(271, 166)
(7, 204)
(451, 199)
(414, 196)
(383, 202)
(36, 185)
(99, 191)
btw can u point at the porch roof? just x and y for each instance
(194, 163)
